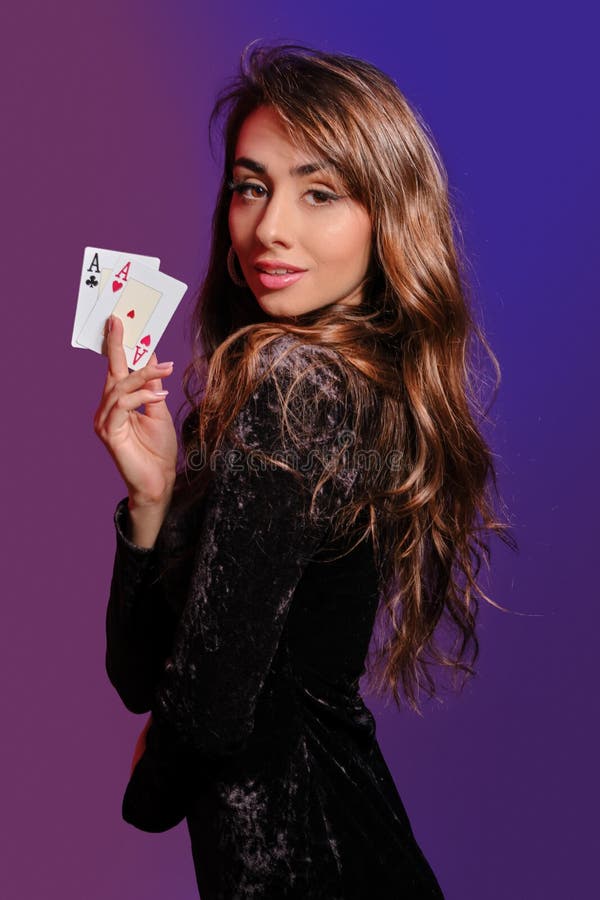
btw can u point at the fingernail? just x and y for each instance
(110, 321)
(160, 393)
(164, 365)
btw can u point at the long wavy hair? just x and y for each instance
(407, 353)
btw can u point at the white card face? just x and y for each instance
(136, 303)
(145, 301)
(97, 266)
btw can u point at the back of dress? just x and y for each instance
(249, 659)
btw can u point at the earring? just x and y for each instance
(240, 282)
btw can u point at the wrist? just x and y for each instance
(146, 519)
(145, 504)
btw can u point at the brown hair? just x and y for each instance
(407, 352)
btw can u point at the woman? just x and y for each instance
(332, 469)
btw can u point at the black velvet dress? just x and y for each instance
(249, 656)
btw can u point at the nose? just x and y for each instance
(275, 225)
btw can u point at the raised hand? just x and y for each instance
(143, 445)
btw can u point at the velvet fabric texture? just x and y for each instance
(248, 655)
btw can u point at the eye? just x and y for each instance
(241, 187)
(323, 198)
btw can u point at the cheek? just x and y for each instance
(242, 227)
(345, 243)
(236, 223)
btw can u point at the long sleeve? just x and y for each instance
(139, 622)
(256, 538)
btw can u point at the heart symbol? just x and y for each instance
(145, 341)
(131, 314)
(116, 286)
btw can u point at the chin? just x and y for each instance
(276, 306)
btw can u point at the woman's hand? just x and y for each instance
(143, 445)
(140, 747)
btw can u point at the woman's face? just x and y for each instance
(281, 218)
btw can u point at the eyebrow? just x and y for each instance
(305, 169)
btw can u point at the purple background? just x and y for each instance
(104, 141)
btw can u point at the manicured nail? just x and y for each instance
(164, 365)
(160, 393)
(109, 326)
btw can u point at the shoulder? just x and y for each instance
(289, 356)
(301, 376)
(295, 424)
(300, 400)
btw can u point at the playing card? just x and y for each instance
(97, 266)
(144, 299)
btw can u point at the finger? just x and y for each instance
(155, 384)
(115, 413)
(135, 381)
(148, 375)
(157, 410)
(117, 361)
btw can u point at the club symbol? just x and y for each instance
(92, 281)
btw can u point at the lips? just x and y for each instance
(275, 274)
(276, 267)
(275, 282)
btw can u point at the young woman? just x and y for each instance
(332, 469)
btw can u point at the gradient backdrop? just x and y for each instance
(104, 141)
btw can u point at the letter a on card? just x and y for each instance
(120, 278)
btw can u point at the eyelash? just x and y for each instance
(239, 186)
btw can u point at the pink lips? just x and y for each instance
(279, 281)
(274, 282)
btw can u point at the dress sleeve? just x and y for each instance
(139, 622)
(256, 539)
